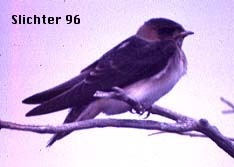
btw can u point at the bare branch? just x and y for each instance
(228, 111)
(227, 102)
(183, 125)
(214, 134)
(178, 128)
(186, 123)
(231, 105)
(190, 134)
(98, 123)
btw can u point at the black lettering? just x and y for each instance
(57, 19)
(44, 19)
(36, 20)
(28, 20)
(14, 19)
(19, 19)
(24, 20)
(51, 20)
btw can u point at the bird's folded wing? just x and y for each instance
(53, 92)
(130, 61)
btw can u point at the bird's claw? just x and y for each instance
(140, 110)
(148, 114)
(137, 107)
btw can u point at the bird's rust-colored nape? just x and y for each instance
(161, 29)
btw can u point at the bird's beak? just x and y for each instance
(184, 34)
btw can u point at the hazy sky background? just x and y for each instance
(37, 57)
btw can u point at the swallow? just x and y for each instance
(146, 66)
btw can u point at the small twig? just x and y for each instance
(190, 134)
(169, 114)
(228, 112)
(227, 102)
(230, 104)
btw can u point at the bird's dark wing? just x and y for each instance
(130, 61)
(53, 92)
(57, 90)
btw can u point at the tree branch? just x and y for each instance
(183, 124)
(190, 134)
(228, 103)
(97, 123)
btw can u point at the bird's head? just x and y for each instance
(158, 29)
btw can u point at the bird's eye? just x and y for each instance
(165, 31)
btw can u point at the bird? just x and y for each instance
(146, 66)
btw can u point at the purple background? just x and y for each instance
(37, 57)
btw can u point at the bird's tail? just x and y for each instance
(71, 117)
(67, 99)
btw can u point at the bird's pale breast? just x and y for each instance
(151, 89)
(148, 90)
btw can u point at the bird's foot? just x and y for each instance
(137, 107)
(118, 93)
(140, 110)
